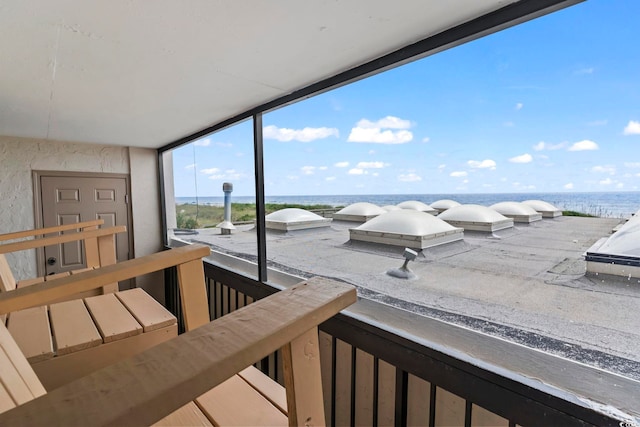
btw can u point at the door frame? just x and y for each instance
(37, 204)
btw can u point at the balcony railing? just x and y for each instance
(385, 366)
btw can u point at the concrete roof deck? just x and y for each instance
(528, 284)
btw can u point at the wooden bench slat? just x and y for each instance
(6, 402)
(56, 276)
(63, 238)
(270, 389)
(228, 402)
(147, 311)
(13, 382)
(49, 230)
(31, 330)
(28, 282)
(11, 349)
(188, 415)
(7, 281)
(112, 318)
(72, 327)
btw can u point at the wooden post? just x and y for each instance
(107, 255)
(303, 382)
(193, 294)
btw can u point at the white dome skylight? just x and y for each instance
(517, 211)
(407, 228)
(546, 209)
(476, 217)
(359, 212)
(417, 206)
(295, 219)
(444, 204)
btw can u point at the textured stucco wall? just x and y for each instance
(19, 157)
(145, 207)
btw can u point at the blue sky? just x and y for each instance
(552, 105)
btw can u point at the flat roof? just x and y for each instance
(526, 284)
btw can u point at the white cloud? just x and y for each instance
(371, 165)
(607, 181)
(519, 106)
(426, 139)
(308, 170)
(341, 164)
(191, 166)
(484, 164)
(202, 142)
(619, 185)
(378, 136)
(632, 128)
(229, 174)
(546, 146)
(465, 181)
(356, 171)
(379, 132)
(442, 166)
(210, 171)
(524, 158)
(632, 164)
(372, 152)
(389, 122)
(409, 177)
(458, 174)
(584, 145)
(568, 186)
(604, 169)
(330, 178)
(303, 135)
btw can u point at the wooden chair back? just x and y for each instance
(99, 249)
(7, 280)
(40, 232)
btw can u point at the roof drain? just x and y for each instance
(226, 226)
(404, 272)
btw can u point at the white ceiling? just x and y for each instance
(145, 73)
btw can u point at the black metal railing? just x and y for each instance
(373, 376)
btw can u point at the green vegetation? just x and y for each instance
(202, 216)
(576, 213)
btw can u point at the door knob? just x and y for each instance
(51, 261)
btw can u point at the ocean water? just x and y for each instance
(609, 204)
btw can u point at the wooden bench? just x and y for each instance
(79, 333)
(190, 379)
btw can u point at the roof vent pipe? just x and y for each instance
(404, 272)
(226, 226)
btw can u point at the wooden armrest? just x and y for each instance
(43, 293)
(147, 387)
(64, 238)
(49, 230)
